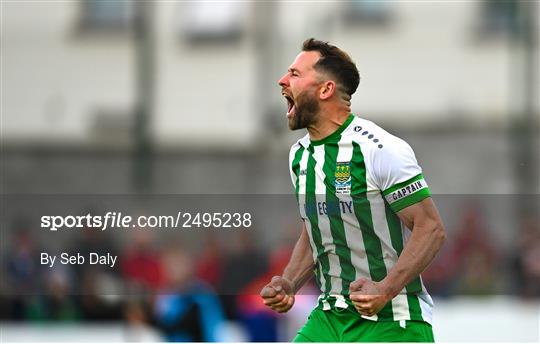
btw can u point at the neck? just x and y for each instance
(329, 121)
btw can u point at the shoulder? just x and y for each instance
(373, 139)
(388, 159)
(298, 147)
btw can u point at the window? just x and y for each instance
(498, 18)
(366, 12)
(104, 15)
(213, 22)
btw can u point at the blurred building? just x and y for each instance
(73, 77)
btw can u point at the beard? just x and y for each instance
(306, 112)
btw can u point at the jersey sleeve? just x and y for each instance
(398, 175)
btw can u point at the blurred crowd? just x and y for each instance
(209, 295)
(212, 294)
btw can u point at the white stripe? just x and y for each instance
(402, 324)
(426, 303)
(353, 234)
(400, 306)
(294, 178)
(302, 177)
(340, 302)
(302, 201)
(326, 305)
(380, 226)
(324, 224)
(323, 298)
(372, 318)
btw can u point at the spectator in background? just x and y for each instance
(475, 253)
(94, 240)
(138, 325)
(98, 297)
(141, 265)
(186, 309)
(57, 301)
(210, 261)
(526, 260)
(23, 277)
(440, 276)
(261, 322)
(241, 266)
(95, 283)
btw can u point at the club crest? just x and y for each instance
(343, 178)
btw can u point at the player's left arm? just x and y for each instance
(396, 172)
(426, 239)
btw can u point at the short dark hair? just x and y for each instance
(336, 62)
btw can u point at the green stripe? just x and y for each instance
(410, 200)
(362, 211)
(311, 213)
(415, 286)
(394, 225)
(402, 184)
(414, 307)
(337, 229)
(295, 167)
(318, 272)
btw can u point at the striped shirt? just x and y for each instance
(349, 187)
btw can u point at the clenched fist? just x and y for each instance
(278, 294)
(368, 297)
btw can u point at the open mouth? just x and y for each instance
(290, 105)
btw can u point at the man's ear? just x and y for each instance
(328, 88)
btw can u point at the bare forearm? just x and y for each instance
(423, 245)
(300, 267)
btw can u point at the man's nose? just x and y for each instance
(283, 81)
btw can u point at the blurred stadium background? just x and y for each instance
(170, 97)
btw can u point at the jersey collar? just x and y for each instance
(332, 137)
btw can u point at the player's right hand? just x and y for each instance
(278, 294)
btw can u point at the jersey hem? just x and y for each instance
(328, 302)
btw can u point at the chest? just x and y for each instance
(336, 169)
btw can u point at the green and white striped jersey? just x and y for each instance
(349, 187)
